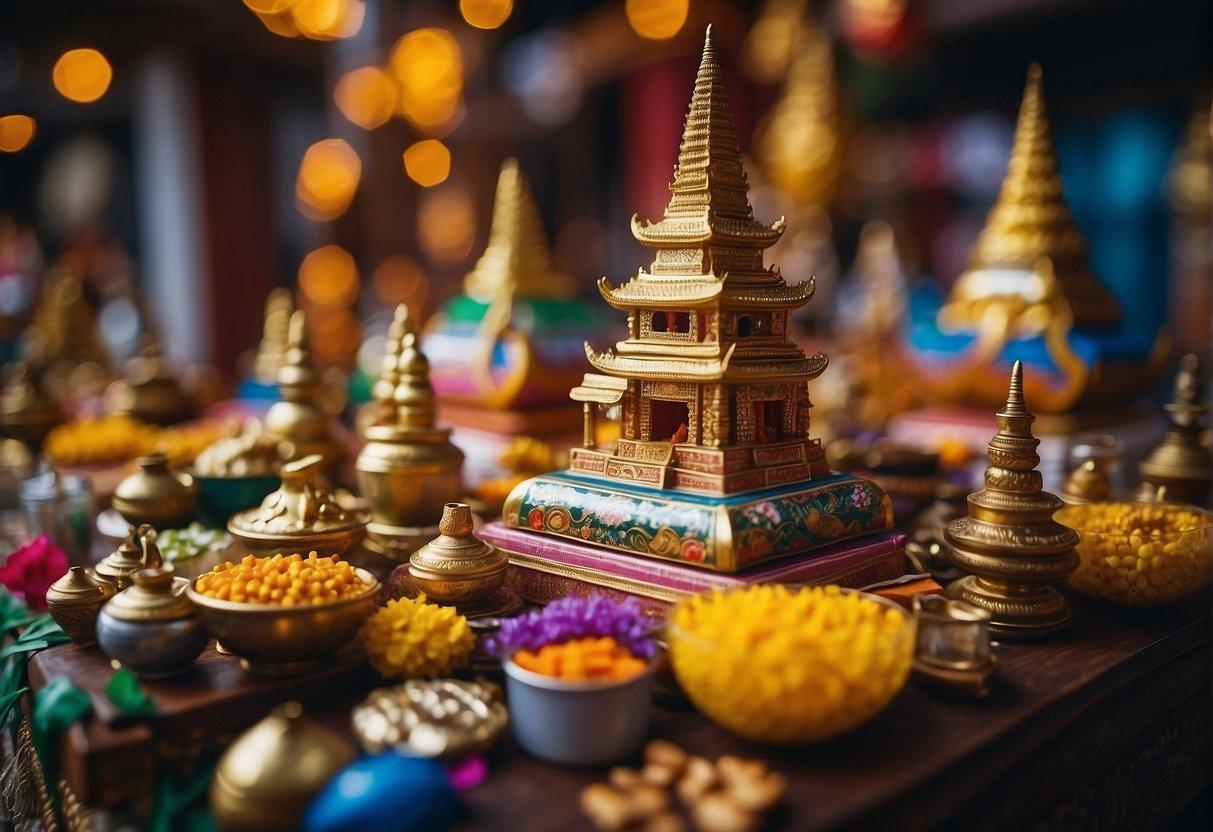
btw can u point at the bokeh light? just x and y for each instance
(269, 6)
(328, 178)
(16, 131)
(400, 279)
(328, 19)
(280, 23)
(366, 96)
(446, 225)
(335, 336)
(82, 75)
(486, 14)
(428, 66)
(657, 19)
(328, 276)
(427, 162)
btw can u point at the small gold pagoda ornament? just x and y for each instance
(151, 391)
(460, 570)
(408, 469)
(1181, 463)
(300, 418)
(1009, 542)
(275, 334)
(27, 413)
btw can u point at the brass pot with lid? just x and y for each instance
(268, 776)
(138, 551)
(75, 600)
(301, 516)
(459, 569)
(151, 626)
(156, 494)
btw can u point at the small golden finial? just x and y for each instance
(1009, 541)
(517, 261)
(389, 369)
(1181, 463)
(272, 349)
(1029, 222)
(414, 395)
(1088, 483)
(300, 418)
(801, 142)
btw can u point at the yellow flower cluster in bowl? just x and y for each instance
(103, 441)
(411, 638)
(781, 665)
(1140, 554)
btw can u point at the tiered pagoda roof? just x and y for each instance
(709, 255)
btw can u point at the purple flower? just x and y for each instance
(574, 617)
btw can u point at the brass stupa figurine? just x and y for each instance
(460, 570)
(1181, 463)
(1009, 542)
(275, 334)
(300, 418)
(408, 468)
(27, 413)
(151, 391)
(64, 323)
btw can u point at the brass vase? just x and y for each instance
(1009, 543)
(138, 551)
(156, 495)
(408, 469)
(74, 602)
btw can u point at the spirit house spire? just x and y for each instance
(1030, 224)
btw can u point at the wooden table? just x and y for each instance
(1106, 727)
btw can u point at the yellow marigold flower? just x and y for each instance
(410, 638)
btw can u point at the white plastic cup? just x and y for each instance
(579, 723)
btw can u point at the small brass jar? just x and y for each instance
(268, 776)
(151, 626)
(157, 495)
(75, 600)
(138, 551)
(300, 517)
(459, 569)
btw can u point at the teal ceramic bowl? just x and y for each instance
(221, 497)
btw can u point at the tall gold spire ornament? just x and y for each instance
(516, 261)
(1180, 469)
(801, 145)
(1030, 223)
(408, 469)
(300, 418)
(1009, 542)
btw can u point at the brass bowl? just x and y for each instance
(272, 640)
(336, 541)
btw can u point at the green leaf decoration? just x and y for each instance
(128, 696)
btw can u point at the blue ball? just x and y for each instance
(388, 793)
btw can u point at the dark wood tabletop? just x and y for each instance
(1107, 726)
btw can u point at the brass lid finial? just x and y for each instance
(414, 395)
(389, 369)
(297, 376)
(1181, 462)
(517, 260)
